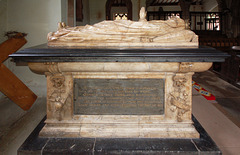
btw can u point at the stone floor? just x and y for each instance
(227, 95)
(219, 118)
(16, 124)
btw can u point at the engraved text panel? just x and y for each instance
(118, 96)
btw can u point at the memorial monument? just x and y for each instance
(120, 79)
(126, 33)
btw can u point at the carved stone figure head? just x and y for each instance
(58, 81)
(179, 81)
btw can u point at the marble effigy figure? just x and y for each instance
(142, 33)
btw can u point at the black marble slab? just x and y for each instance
(35, 145)
(43, 53)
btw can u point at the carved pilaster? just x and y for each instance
(59, 100)
(180, 99)
(185, 6)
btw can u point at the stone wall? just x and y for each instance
(94, 11)
(3, 19)
(36, 18)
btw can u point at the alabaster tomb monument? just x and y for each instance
(120, 79)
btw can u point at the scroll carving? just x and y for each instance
(53, 67)
(179, 97)
(60, 100)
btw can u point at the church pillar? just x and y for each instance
(231, 17)
(185, 6)
(223, 6)
(70, 13)
(235, 12)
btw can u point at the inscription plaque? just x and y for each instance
(119, 96)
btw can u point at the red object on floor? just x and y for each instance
(203, 91)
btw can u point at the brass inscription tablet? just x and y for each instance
(118, 96)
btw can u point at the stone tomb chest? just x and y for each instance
(120, 79)
(119, 92)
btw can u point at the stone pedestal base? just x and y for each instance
(38, 145)
(119, 126)
(121, 131)
(164, 90)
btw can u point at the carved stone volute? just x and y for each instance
(53, 67)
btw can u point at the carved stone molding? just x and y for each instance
(179, 98)
(63, 67)
(185, 67)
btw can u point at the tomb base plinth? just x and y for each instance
(47, 145)
(119, 93)
(120, 130)
(121, 100)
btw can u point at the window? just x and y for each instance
(118, 9)
(163, 15)
(205, 21)
(212, 22)
(122, 16)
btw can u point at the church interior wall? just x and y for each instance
(208, 6)
(137, 4)
(97, 11)
(164, 8)
(86, 14)
(3, 23)
(196, 8)
(118, 10)
(212, 6)
(3, 19)
(36, 18)
(216, 9)
(64, 11)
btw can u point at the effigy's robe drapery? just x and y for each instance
(142, 33)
